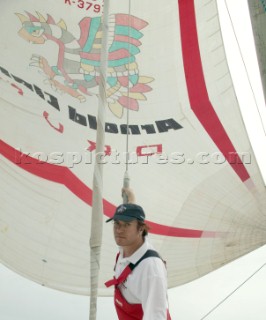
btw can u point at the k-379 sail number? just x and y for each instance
(92, 5)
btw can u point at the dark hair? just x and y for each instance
(144, 227)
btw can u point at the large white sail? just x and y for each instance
(191, 164)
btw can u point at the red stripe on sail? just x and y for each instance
(127, 40)
(90, 56)
(48, 171)
(85, 27)
(197, 91)
(130, 21)
(116, 55)
(64, 176)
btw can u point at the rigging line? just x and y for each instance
(242, 58)
(128, 99)
(126, 175)
(231, 293)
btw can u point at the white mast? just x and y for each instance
(97, 205)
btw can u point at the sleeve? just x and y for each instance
(154, 290)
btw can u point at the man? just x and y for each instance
(140, 274)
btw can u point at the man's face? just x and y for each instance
(126, 233)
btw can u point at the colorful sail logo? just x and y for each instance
(77, 72)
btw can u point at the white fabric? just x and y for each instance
(147, 284)
(202, 212)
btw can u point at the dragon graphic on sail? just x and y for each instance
(77, 72)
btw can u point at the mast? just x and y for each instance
(97, 205)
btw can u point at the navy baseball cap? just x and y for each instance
(128, 212)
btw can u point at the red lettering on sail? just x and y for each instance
(149, 150)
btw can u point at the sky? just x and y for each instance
(21, 299)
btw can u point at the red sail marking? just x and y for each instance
(197, 91)
(64, 176)
(130, 21)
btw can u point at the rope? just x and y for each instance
(243, 61)
(97, 202)
(126, 175)
(128, 106)
(231, 293)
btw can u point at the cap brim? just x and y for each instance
(121, 218)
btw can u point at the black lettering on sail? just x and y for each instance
(111, 127)
(133, 129)
(76, 117)
(149, 128)
(39, 92)
(53, 101)
(92, 122)
(4, 71)
(166, 125)
(26, 84)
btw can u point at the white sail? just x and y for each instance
(191, 164)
